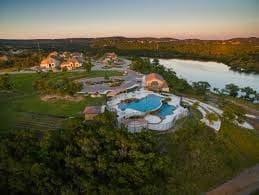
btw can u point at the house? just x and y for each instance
(3, 58)
(77, 55)
(65, 54)
(155, 82)
(49, 63)
(91, 111)
(70, 64)
(110, 58)
(53, 54)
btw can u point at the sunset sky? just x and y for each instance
(205, 19)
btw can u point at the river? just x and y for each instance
(216, 74)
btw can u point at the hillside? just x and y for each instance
(241, 54)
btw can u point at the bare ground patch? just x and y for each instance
(48, 98)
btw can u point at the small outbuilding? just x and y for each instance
(156, 82)
(91, 111)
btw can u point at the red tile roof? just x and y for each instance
(93, 110)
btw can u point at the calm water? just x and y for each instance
(165, 110)
(216, 74)
(149, 103)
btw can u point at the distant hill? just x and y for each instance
(240, 53)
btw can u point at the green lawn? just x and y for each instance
(23, 99)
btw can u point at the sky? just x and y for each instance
(203, 19)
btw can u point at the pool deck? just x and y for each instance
(163, 125)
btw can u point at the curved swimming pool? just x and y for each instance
(165, 110)
(146, 104)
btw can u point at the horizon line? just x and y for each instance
(128, 37)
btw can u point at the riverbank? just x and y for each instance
(216, 74)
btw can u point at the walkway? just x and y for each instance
(243, 184)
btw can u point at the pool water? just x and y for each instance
(147, 104)
(165, 110)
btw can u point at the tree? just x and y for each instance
(5, 82)
(155, 61)
(233, 112)
(84, 158)
(232, 89)
(216, 90)
(88, 65)
(248, 92)
(211, 117)
(201, 87)
(257, 97)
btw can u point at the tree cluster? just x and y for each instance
(83, 158)
(61, 86)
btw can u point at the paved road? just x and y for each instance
(243, 184)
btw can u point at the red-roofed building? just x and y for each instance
(91, 111)
(156, 82)
(71, 64)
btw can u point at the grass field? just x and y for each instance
(17, 105)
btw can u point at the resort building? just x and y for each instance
(65, 54)
(111, 58)
(77, 55)
(49, 63)
(146, 109)
(71, 64)
(53, 54)
(155, 82)
(91, 111)
(3, 58)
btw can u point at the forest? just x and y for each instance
(241, 54)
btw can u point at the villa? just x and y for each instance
(110, 58)
(49, 63)
(91, 111)
(77, 55)
(71, 64)
(53, 54)
(65, 54)
(156, 82)
(3, 58)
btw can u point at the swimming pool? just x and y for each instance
(146, 104)
(165, 110)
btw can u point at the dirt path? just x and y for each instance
(243, 184)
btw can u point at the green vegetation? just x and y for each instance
(98, 158)
(239, 54)
(88, 65)
(26, 59)
(233, 112)
(175, 84)
(60, 87)
(211, 117)
(231, 89)
(201, 87)
(248, 91)
(85, 158)
(200, 159)
(22, 103)
(5, 83)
